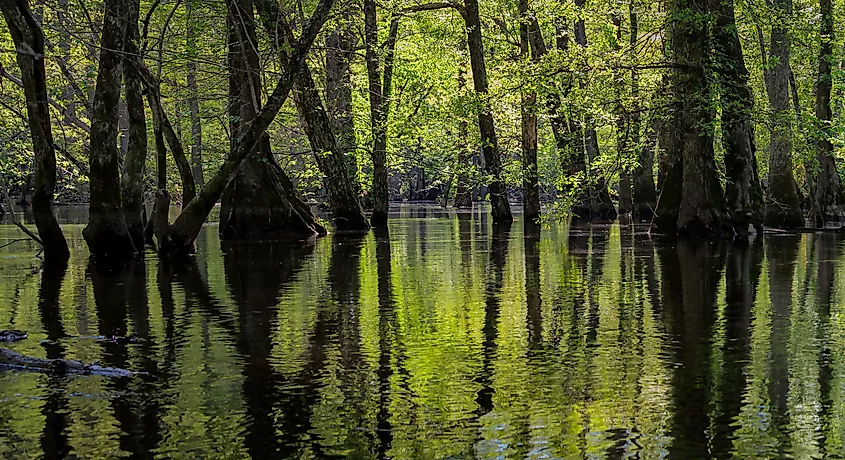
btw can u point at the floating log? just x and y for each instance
(14, 360)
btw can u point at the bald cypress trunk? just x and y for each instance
(489, 143)
(29, 40)
(260, 201)
(783, 202)
(743, 192)
(691, 201)
(136, 153)
(107, 233)
(829, 196)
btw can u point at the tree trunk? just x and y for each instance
(643, 194)
(501, 210)
(193, 100)
(340, 50)
(348, 215)
(743, 192)
(691, 201)
(829, 198)
(463, 165)
(29, 41)
(783, 206)
(595, 200)
(627, 132)
(259, 202)
(378, 116)
(530, 177)
(136, 153)
(180, 236)
(107, 233)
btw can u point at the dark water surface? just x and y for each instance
(449, 339)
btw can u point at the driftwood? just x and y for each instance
(12, 360)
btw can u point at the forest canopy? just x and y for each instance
(702, 117)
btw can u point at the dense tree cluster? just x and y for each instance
(704, 117)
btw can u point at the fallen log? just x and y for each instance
(17, 361)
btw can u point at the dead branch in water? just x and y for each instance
(15, 220)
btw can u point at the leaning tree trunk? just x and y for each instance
(29, 42)
(340, 50)
(107, 232)
(530, 176)
(136, 154)
(743, 192)
(829, 197)
(259, 202)
(783, 202)
(691, 200)
(489, 143)
(343, 197)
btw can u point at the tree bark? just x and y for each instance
(595, 199)
(259, 202)
(340, 50)
(691, 201)
(181, 235)
(489, 143)
(379, 100)
(627, 131)
(530, 176)
(743, 192)
(463, 165)
(829, 197)
(136, 154)
(348, 215)
(193, 99)
(29, 43)
(783, 204)
(643, 194)
(107, 233)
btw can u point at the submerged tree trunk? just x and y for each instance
(107, 232)
(489, 143)
(643, 195)
(259, 202)
(180, 236)
(691, 201)
(743, 192)
(340, 50)
(343, 197)
(29, 42)
(530, 177)
(193, 99)
(829, 197)
(595, 199)
(783, 203)
(136, 153)
(379, 105)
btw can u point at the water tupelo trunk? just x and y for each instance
(743, 192)
(829, 197)
(530, 176)
(107, 233)
(783, 202)
(136, 154)
(28, 36)
(501, 210)
(691, 201)
(259, 202)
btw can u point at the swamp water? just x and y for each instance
(449, 339)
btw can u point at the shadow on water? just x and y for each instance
(448, 337)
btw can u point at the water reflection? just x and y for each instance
(449, 337)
